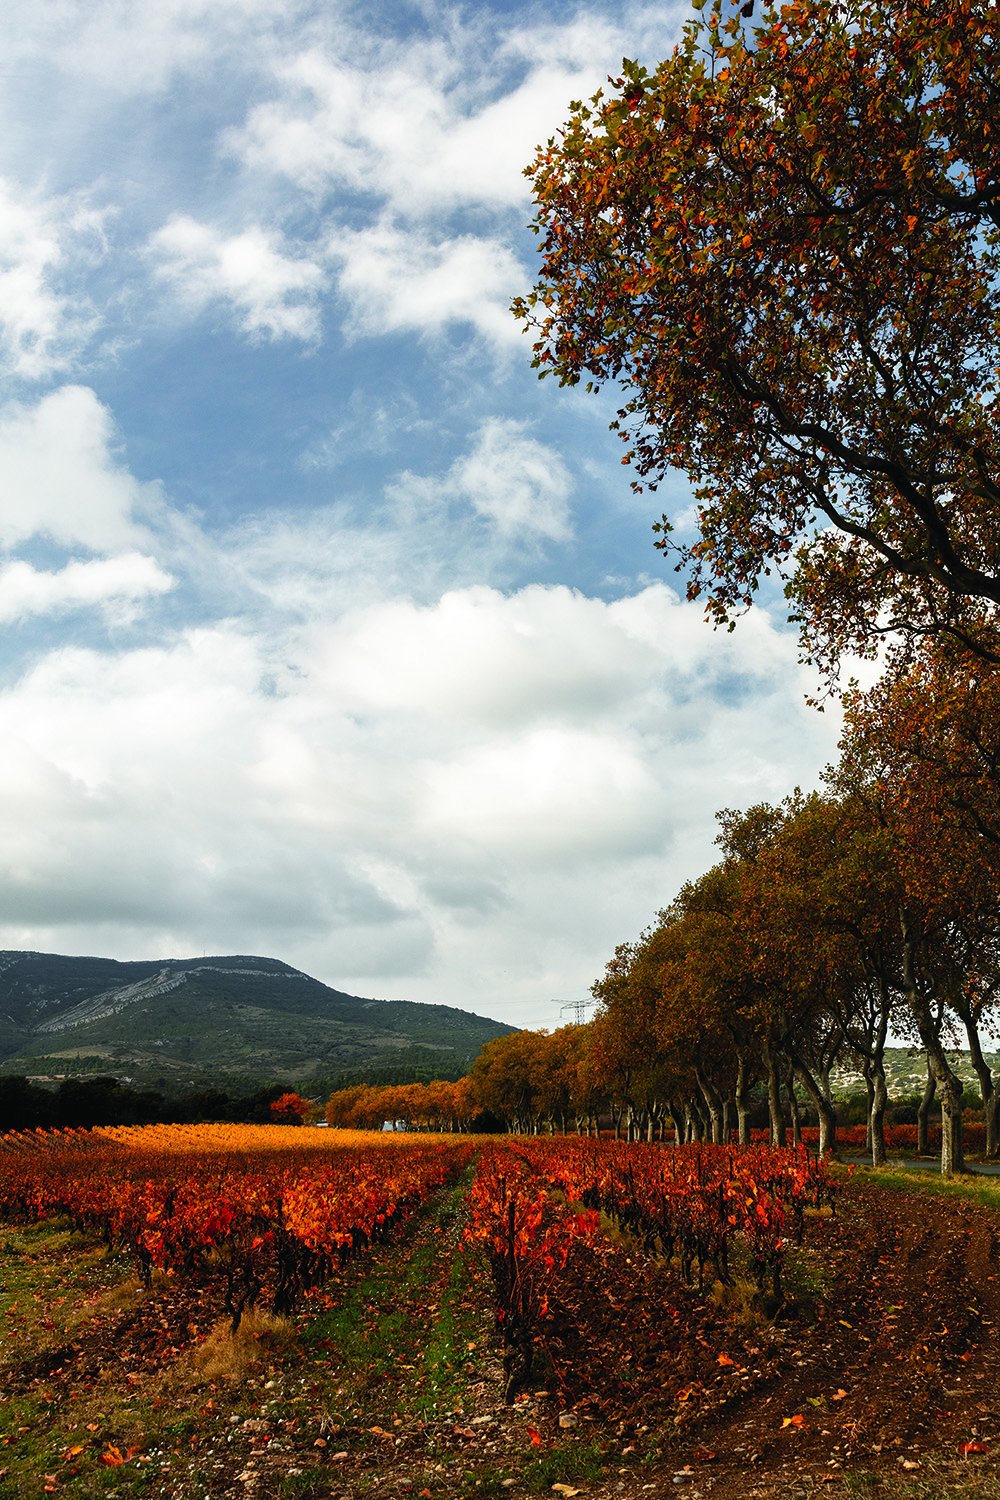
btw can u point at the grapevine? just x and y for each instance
(256, 1207)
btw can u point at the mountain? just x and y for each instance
(170, 1023)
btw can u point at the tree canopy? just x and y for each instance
(784, 245)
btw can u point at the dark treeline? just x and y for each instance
(81, 1103)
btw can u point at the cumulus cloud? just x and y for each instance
(62, 479)
(117, 584)
(427, 124)
(272, 293)
(397, 280)
(418, 539)
(448, 801)
(405, 126)
(521, 485)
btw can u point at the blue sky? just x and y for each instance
(331, 633)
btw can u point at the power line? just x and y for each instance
(579, 1007)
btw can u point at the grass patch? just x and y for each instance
(984, 1192)
(578, 1464)
(407, 1326)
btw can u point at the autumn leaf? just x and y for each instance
(113, 1458)
(725, 1360)
(965, 1448)
(535, 1436)
(792, 1421)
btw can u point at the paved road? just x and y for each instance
(911, 1164)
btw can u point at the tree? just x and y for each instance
(923, 744)
(292, 1109)
(785, 249)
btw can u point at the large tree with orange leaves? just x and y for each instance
(784, 245)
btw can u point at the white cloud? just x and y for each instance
(403, 128)
(273, 293)
(429, 124)
(61, 478)
(551, 796)
(448, 802)
(480, 657)
(400, 281)
(130, 49)
(518, 483)
(425, 534)
(117, 584)
(40, 327)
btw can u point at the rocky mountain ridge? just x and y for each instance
(177, 1021)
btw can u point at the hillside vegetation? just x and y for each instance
(224, 1019)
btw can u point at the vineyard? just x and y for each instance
(237, 1311)
(249, 1207)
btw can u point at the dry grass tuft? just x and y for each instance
(740, 1302)
(225, 1355)
(124, 1297)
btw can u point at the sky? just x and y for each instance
(330, 633)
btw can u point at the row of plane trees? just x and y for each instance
(832, 923)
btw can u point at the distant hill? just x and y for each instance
(171, 1023)
(906, 1073)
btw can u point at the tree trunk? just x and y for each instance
(742, 1100)
(728, 1116)
(991, 1111)
(876, 1118)
(678, 1120)
(949, 1090)
(825, 1108)
(870, 1091)
(986, 1085)
(713, 1102)
(949, 1087)
(793, 1106)
(952, 1139)
(923, 1110)
(779, 1136)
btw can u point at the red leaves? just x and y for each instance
(171, 1192)
(535, 1436)
(966, 1448)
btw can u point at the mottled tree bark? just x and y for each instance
(923, 1111)
(779, 1135)
(742, 1099)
